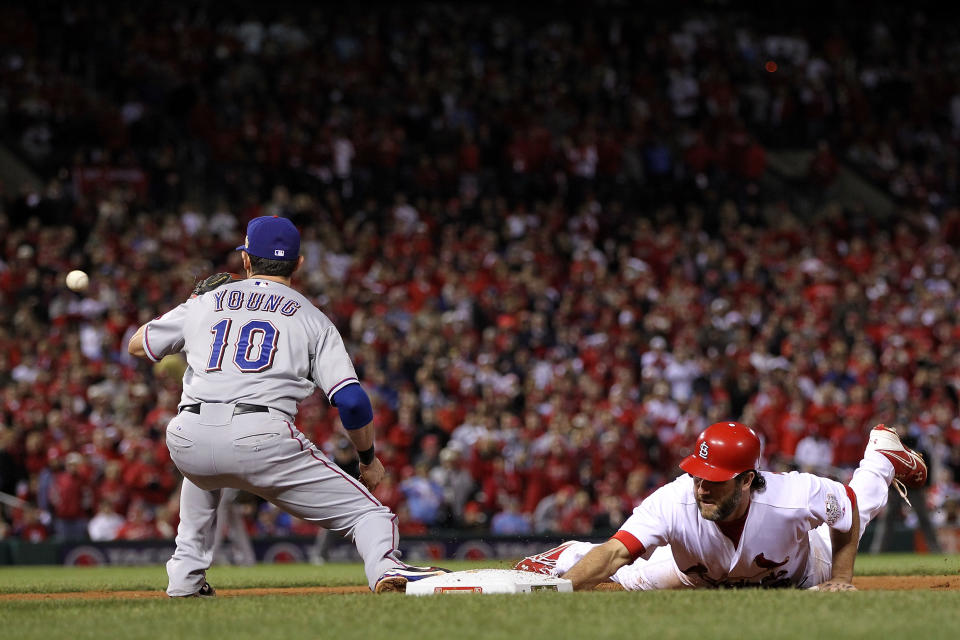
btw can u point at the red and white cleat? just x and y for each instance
(543, 563)
(908, 466)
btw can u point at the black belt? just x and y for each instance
(239, 409)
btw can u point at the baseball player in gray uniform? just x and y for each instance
(255, 348)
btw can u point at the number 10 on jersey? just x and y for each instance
(255, 345)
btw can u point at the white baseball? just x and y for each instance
(77, 280)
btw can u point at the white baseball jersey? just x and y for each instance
(774, 547)
(253, 341)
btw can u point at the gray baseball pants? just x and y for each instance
(265, 454)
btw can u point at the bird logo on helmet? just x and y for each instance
(724, 449)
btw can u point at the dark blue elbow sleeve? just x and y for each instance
(354, 405)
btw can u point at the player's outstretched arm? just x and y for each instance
(598, 565)
(356, 414)
(371, 470)
(844, 545)
(135, 345)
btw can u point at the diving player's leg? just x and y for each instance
(187, 568)
(820, 562)
(885, 460)
(546, 562)
(659, 572)
(871, 483)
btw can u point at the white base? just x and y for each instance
(487, 581)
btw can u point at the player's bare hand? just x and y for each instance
(371, 474)
(835, 586)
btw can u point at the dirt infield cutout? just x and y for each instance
(864, 583)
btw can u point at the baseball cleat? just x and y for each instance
(395, 580)
(206, 591)
(908, 466)
(543, 563)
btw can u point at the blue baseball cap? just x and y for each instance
(273, 238)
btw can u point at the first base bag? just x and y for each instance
(487, 581)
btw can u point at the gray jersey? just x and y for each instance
(253, 341)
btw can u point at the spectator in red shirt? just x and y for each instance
(792, 429)
(112, 488)
(637, 487)
(577, 517)
(148, 480)
(31, 527)
(71, 498)
(139, 524)
(848, 440)
(388, 493)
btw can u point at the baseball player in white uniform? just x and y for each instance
(255, 348)
(726, 524)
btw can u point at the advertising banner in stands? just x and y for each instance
(291, 550)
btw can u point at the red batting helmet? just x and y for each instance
(723, 450)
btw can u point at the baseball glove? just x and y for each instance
(212, 282)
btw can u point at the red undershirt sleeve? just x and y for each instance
(633, 545)
(852, 495)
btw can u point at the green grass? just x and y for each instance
(907, 564)
(697, 614)
(48, 579)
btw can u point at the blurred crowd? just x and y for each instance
(548, 245)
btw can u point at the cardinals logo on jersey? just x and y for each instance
(763, 563)
(768, 577)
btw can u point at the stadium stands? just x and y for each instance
(549, 243)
